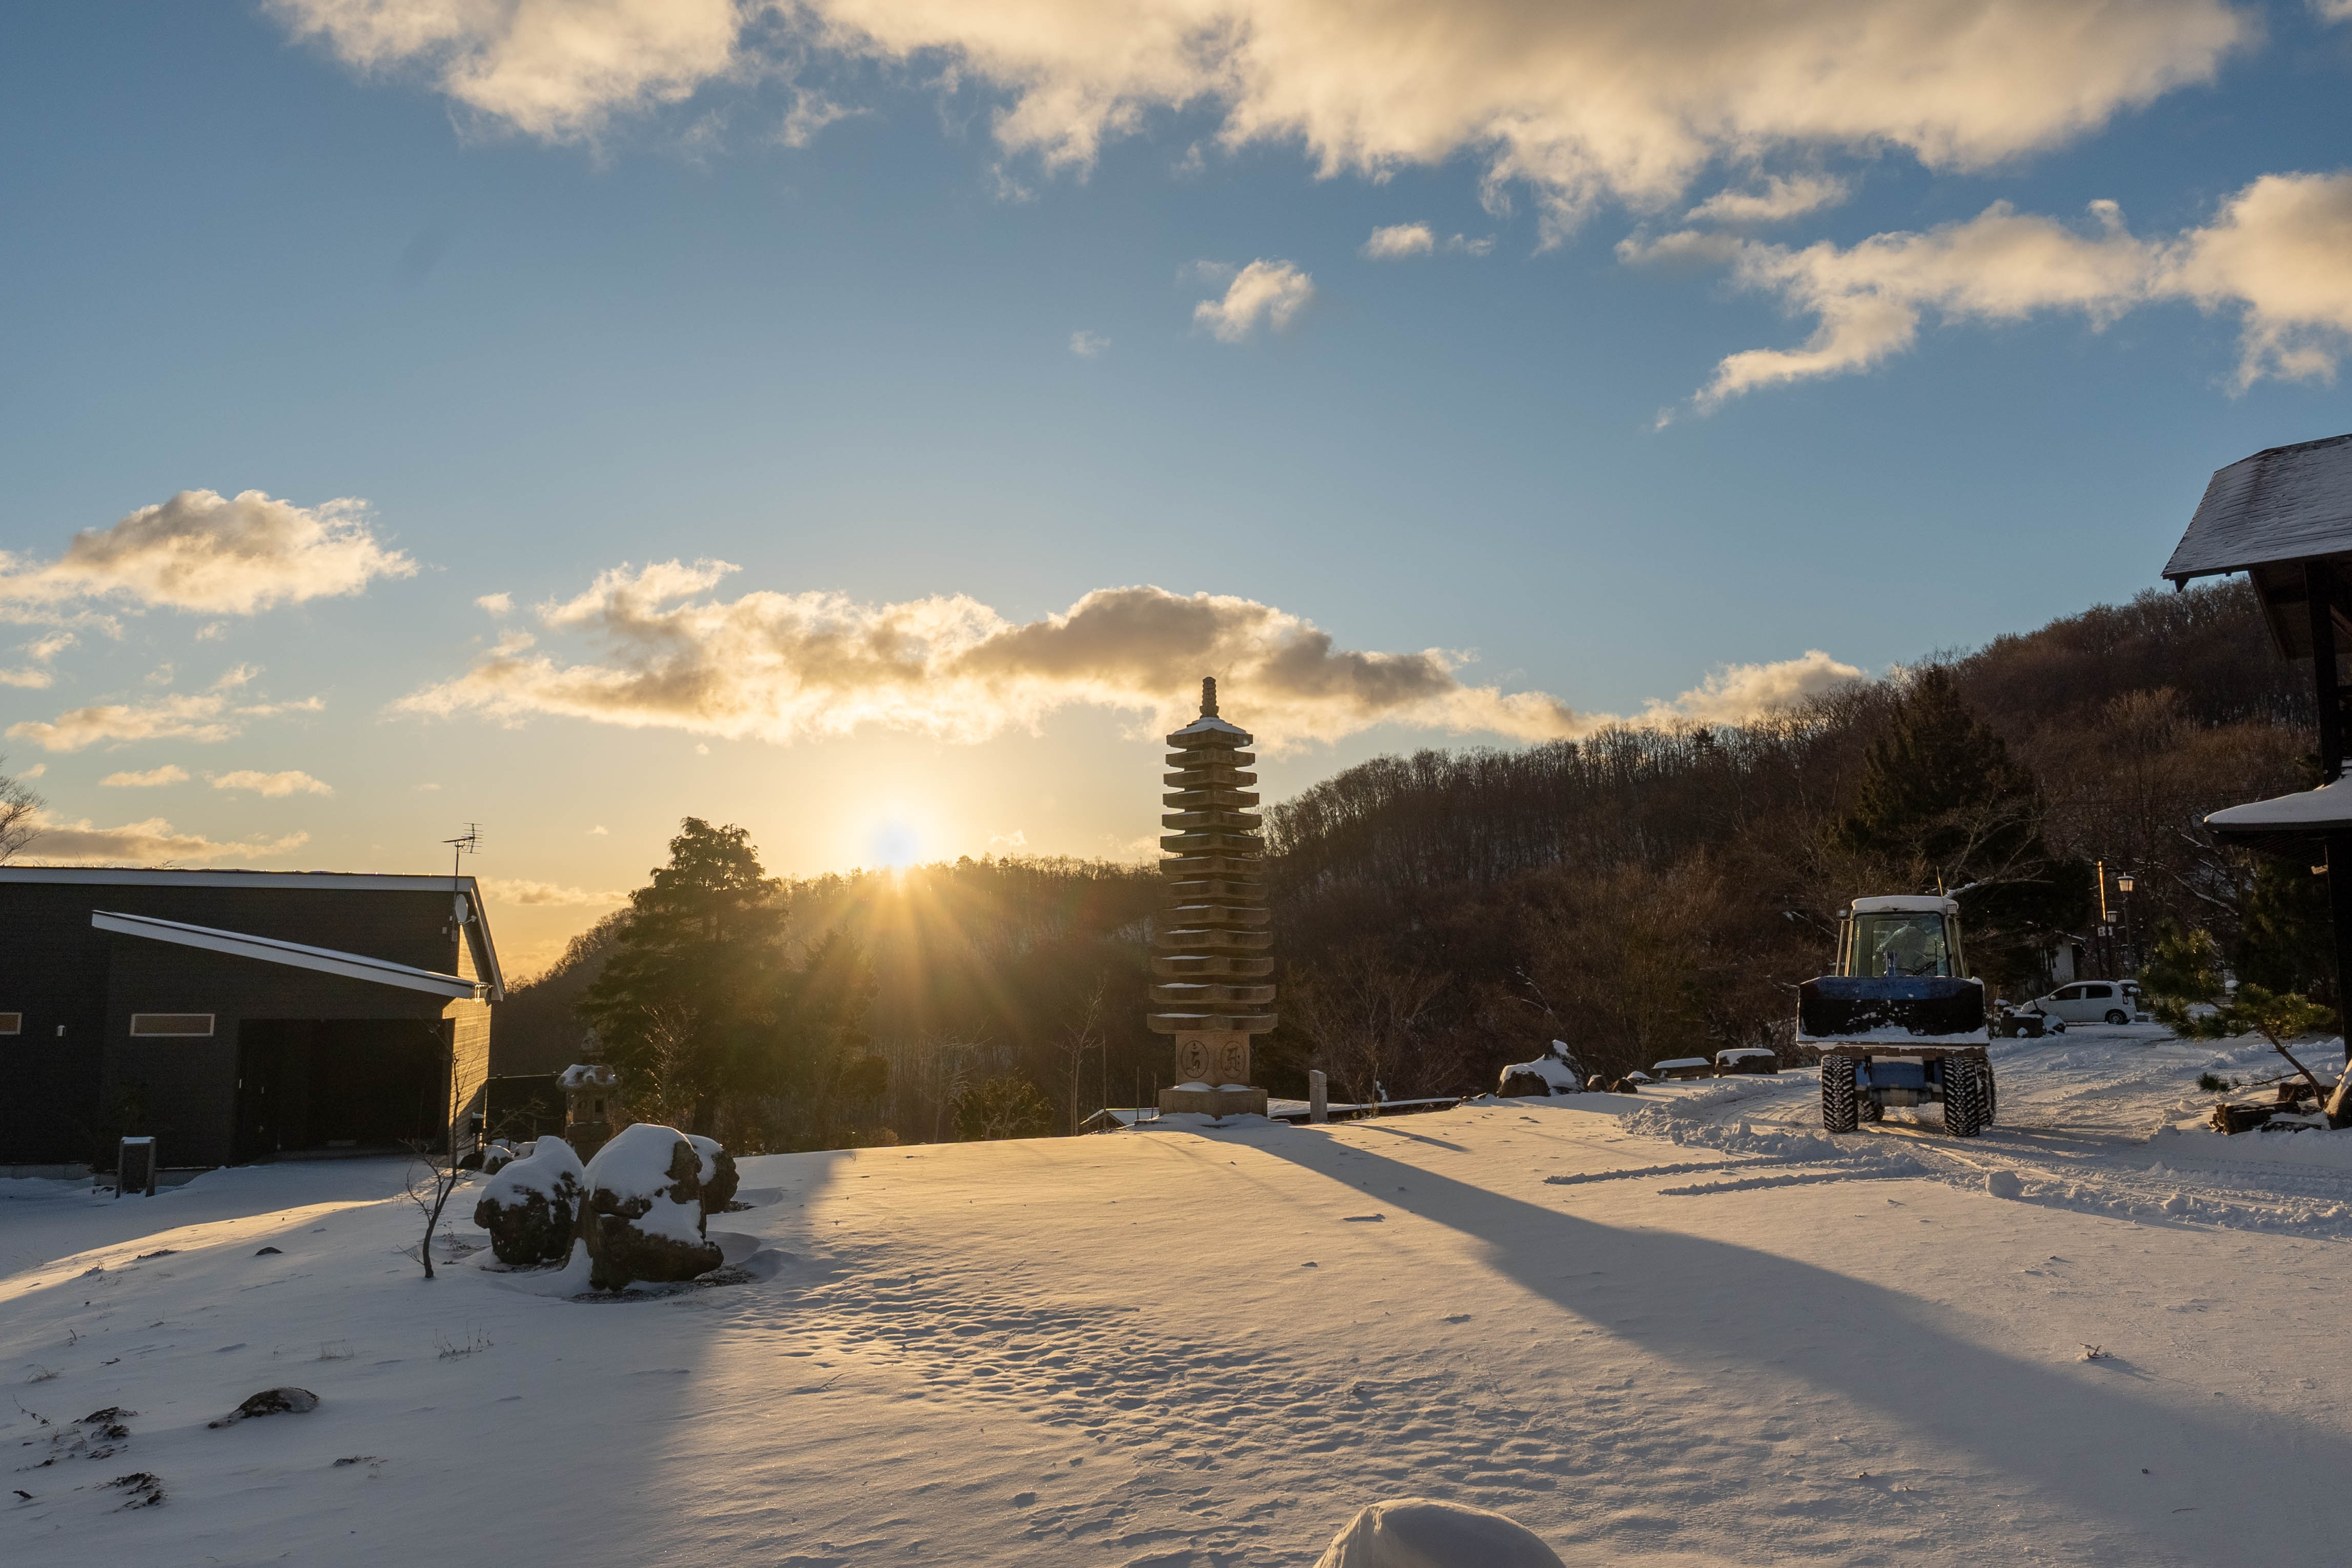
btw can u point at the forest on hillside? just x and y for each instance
(1640, 893)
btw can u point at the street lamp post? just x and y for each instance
(2131, 945)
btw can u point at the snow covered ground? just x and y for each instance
(1674, 1330)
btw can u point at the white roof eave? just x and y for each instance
(293, 955)
(2315, 810)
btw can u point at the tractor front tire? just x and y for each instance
(1867, 1108)
(1837, 1106)
(1968, 1088)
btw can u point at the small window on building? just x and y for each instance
(182, 1025)
(12, 1023)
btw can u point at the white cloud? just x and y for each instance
(201, 716)
(2333, 10)
(554, 68)
(41, 651)
(203, 551)
(518, 890)
(154, 842)
(1397, 242)
(598, 831)
(810, 113)
(1086, 345)
(293, 781)
(2278, 255)
(1737, 693)
(496, 603)
(1405, 241)
(35, 771)
(1579, 99)
(784, 667)
(1781, 199)
(429, 788)
(1270, 293)
(154, 778)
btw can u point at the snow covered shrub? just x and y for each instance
(530, 1206)
(645, 1209)
(717, 1174)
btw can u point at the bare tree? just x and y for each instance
(430, 1186)
(19, 807)
(1361, 1010)
(1082, 1039)
(664, 1091)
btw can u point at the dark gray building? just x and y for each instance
(237, 1015)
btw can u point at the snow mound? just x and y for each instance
(1420, 1532)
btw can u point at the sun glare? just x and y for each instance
(895, 841)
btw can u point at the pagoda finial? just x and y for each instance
(1208, 696)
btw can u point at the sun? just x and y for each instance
(897, 838)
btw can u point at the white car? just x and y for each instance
(2094, 1001)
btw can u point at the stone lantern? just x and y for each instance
(1214, 973)
(588, 1088)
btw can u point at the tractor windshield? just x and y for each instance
(1902, 946)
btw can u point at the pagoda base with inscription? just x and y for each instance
(1212, 973)
(1232, 1100)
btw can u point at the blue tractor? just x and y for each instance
(1900, 1022)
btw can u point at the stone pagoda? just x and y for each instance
(1212, 971)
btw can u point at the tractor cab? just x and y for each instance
(1901, 938)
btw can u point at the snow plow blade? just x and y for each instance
(1835, 1009)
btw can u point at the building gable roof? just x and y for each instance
(485, 950)
(2289, 503)
(294, 955)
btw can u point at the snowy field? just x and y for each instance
(1680, 1329)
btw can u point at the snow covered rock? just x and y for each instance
(717, 1175)
(645, 1209)
(1419, 1533)
(271, 1402)
(530, 1206)
(497, 1156)
(1554, 1072)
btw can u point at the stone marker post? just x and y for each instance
(1318, 1097)
(1213, 965)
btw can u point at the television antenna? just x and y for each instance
(468, 842)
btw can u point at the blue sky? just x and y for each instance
(555, 319)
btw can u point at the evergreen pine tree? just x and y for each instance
(680, 1004)
(1941, 805)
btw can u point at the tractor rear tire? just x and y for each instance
(1867, 1108)
(1968, 1084)
(1837, 1095)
